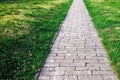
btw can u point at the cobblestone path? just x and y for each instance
(77, 53)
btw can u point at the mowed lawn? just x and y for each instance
(106, 18)
(27, 28)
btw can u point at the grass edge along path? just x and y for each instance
(27, 28)
(106, 19)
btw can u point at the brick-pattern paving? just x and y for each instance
(77, 53)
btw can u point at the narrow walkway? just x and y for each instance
(77, 53)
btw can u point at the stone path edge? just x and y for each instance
(100, 40)
(55, 36)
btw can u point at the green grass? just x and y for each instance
(106, 18)
(27, 28)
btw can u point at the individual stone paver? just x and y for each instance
(77, 53)
(90, 78)
(63, 78)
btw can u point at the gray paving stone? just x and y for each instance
(75, 57)
(51, 64)
(85, 54)
(63, 78)
(96, 58)
(85, 68)
(52, 73)
(109, 78)
(90, 78)
(104, 68)
(68, 54)
(44, 78)
(86, 61)
(72, 64)
(97, 65)
(102, 73)
(65, 68)
(64, 61)
(78, 72)
(77, 53)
